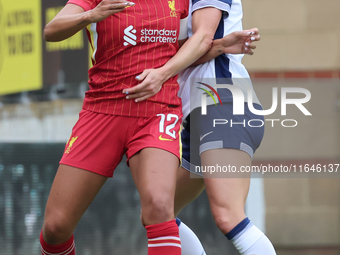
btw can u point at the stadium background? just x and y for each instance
(41, 90)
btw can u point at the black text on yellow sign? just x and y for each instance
(20, 46)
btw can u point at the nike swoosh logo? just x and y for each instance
(201, 138)
(164, 139)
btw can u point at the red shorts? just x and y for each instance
(99, 141)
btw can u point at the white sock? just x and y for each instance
(252, 241)
(190, 243)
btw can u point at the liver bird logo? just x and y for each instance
(173, 9)
(71, 142)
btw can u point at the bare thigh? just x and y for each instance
(154, 173)
(226, 195)
(72, 191)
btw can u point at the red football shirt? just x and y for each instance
(124, 45)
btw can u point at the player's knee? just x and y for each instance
(225, 218)
(157, 210)
(56, 230)
(222, 223)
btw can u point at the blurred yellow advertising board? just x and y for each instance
(20, 46)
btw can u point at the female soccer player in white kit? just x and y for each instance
(206, 144)
(228, 144)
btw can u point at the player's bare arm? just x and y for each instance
(239, 42)
(72, 18)
(195, 47)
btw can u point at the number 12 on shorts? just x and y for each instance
(169, 117)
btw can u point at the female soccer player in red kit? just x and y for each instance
(126, 39)
(125, 42)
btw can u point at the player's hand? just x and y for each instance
(151, 83)
(240, 42)
(108, 7)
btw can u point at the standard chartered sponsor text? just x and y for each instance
(158, 35)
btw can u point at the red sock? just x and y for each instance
(67, 248)
(163, 238)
